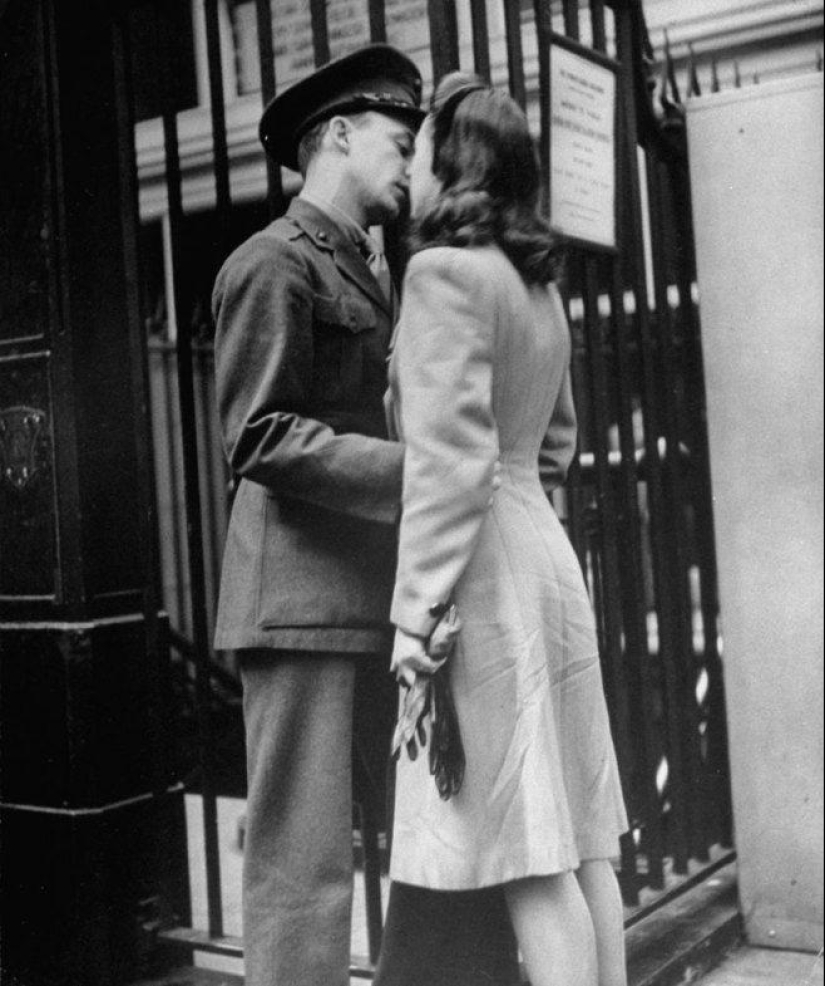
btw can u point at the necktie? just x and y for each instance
(377, 263)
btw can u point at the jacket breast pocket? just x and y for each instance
(341, 326)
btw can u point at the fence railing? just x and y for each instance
(638, 503)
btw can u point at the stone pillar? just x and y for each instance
(91, 821)
(756, 157)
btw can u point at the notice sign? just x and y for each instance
(582, 146)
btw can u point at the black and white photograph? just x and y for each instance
(411, 493)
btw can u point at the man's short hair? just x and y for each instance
(309, 145)
(311, 141)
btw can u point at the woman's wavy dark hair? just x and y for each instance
(486, 161)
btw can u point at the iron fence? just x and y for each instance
(638, 502)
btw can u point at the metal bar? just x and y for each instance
(320, 31)
(612, 651)
(576, 514)
(193, 511)
(162, 430)
(372, 877)
(213, 468)
(173, 456)
(378, 21)
(647, 747)
(667, 636)
(718, 762)
(481, 39)
(202, 941)
(571, 19)
(266, 57)
(678, 891)
(515, 52)
(186, 648)
(204, 409)
(443, 37)
(544, 23)
(674, 523)
(597, 25)
(220, 150)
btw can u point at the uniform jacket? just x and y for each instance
(302, 334)
(458, 375)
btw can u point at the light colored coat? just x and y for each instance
(479, 375)
(465, 344)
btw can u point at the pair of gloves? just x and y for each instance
(419, 666)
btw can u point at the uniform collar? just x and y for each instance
(351, 228)
(327, 233)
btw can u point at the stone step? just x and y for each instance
(687, 937)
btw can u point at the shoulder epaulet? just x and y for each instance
(290, 228)
(282, 228)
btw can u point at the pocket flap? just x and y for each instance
(345, 310)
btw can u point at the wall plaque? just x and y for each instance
(582, 144)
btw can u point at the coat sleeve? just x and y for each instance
(262, 304)
(442, 382)
(559, 444)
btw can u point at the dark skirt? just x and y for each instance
(445, 938)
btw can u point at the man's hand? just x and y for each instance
(409, 658)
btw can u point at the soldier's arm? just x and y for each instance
(262, 304)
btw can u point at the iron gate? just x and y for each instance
(638, 502)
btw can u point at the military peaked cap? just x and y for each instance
(378, 77)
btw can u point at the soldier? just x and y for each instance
(304, 313)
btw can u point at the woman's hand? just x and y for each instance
(409, 658)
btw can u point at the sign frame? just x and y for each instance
(588, 59)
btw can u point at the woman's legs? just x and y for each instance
(601, 891)
(554, 930)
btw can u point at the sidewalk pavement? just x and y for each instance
(765, 967)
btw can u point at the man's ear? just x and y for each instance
(339, 130)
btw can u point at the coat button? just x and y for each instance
(321, 235)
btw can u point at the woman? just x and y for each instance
(479, 374)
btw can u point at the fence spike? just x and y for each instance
(662, 87)
(714, 76)
(694, 89)
(737, 78)
(671, 71)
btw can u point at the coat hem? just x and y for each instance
(333, 639)
(504, 875)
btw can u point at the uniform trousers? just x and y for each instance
(302, 711)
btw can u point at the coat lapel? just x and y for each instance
(327, 235)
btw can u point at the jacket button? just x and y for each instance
(321, 235)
